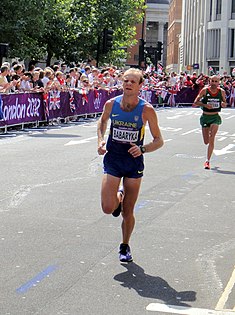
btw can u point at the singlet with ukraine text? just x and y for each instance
(212, 99)
(125, 128)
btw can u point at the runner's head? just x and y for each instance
(214, 81)
(132, 82)
(134, 72)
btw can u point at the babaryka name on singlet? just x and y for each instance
(125, 135)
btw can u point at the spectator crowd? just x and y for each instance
(15, 79)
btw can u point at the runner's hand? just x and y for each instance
(101, 148)
(223, 104)
(134, 150)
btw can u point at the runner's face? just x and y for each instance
(214, 82)
(131, 84)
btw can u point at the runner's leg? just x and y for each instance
(110, 198)
(206, 134)
(213, 130)
(131, 188)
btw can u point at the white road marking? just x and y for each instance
(75, 142)
(167, 140)
(188, 156)
(225, 113)
(222, 138)
(170, 129)
(230, 117)
(190, 131)
(175, 117)
(173, 309)
(181, 114)
(222, 301)
(90, 126)
(6, 135)
(225, 150)
(222, 133)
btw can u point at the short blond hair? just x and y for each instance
(135, 71)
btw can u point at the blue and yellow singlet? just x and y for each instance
(125, 128)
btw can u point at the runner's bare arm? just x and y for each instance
(223, 103)
(102, 126)
(150, 116)
(197, 102)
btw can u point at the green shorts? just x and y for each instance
(207, 120)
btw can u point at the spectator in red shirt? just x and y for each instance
(188, 82)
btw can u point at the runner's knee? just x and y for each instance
(107, 208)
(127, 215)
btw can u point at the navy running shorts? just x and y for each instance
(123, 165)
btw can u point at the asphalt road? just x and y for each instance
(59, 252)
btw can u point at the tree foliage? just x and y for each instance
(67, 29)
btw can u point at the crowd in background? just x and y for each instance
(14, 78)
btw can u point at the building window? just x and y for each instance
(213, 47)
(152, 34)
(231, 43)
(233, 9)
(218, 9)
(211, 3)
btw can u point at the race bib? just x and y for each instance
(125, 136)
(214, 104)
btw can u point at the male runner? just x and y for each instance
(123, 153)
(211, 98)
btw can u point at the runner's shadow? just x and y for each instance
(217, 170)
(152, 287)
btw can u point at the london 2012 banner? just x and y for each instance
(23, 108)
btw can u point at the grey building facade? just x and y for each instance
(157, 24)
(208, 35)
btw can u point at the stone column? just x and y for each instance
(225, 16)
(160, 31)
